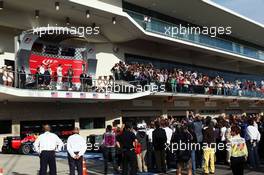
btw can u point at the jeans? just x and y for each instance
(193, 162)
(253, 154)
(129, 160)
(151, 157)
(174, 88)
(160, 160)
(199, 156)
(107, 153)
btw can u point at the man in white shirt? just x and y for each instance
(151, 157)
(169, 132)
(252, 138)
(76, 147)
(42, 69)
(59, 76)
(46, 145)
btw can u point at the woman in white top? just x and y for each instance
(10, 76)
(59, 77)
(59, 74)
(5, 76)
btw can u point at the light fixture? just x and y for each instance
(36, 14)
(87, 14)
(1, 5)
(67, 21)
(114, 20)
(57, 5)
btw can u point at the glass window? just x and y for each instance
(92, 123)
(5, 126)
(54, 50)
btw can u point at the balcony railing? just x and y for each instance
(105, 84)
(158, 26)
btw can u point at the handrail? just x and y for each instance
(214, 42)
(104, 84)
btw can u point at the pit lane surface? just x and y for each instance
(29, 165)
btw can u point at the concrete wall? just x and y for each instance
(7, 44)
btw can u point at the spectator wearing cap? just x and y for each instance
(142, 140)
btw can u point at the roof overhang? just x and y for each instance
(207, 13)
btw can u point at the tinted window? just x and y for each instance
(92, 123)
(5, 126)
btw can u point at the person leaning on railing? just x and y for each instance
(10, 76)
(1, 75)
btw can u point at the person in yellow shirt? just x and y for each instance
(238, 151)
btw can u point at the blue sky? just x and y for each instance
(253, 9)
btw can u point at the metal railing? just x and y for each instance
(105, 84)
(158, 26)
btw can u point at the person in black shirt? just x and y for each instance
(159, 140)
(70, 74)
(22, 77)
(127, 142)
(182, 156)
(83, 79)
(47, 77)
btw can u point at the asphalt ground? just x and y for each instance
(29, 165)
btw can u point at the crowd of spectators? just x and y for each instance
(147, 147)
(178, 80)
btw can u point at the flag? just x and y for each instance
(82, 95)
(54, 94)
(95, 95)
(107, 96)
(68, 95)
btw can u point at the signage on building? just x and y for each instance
(144, 103)
(234, 104)
(181, 103)
(210, 104)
